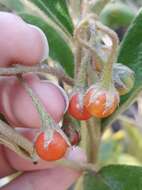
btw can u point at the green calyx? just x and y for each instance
(123, 78)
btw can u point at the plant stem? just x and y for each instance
(90, 142)
(48, 124)
(114, 38)
(75, 10)
(108, 66)
(45, 118)
(81, 78)
(78, 49)
(79, 183)
(78, 166)
(85, 34)
(77, 59)
(58, 72)
(84, 8)
(83, 42)
(85, 141)
(94, 128)
(19, 144)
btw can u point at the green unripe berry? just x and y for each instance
(117, 15)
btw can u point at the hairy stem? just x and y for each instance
(58, 72)
(85, 141)
(78, 33)
(12, 139)
(48, 124)
(81, 77)
(108, 66)
(94, 128)
(77, 59)
(79, 166)
(115, 41)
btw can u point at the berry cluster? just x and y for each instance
(112, 79)
(28, 100)
(94, 103)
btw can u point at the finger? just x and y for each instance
(5, 168)
(57, 179)
(21, 164)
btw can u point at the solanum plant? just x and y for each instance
(96, 78)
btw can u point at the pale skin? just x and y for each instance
(43, 176)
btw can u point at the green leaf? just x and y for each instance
(130, 54)
(56, 10)
(13, 5)
(59, 42)
(114, 177)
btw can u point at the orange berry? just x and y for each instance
(54, 150)
(99, 107)
(75, 110)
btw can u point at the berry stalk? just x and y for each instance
(48, 124)
(108, 66)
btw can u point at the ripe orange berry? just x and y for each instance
(76, 110)
(103, 105)
(54, 150)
